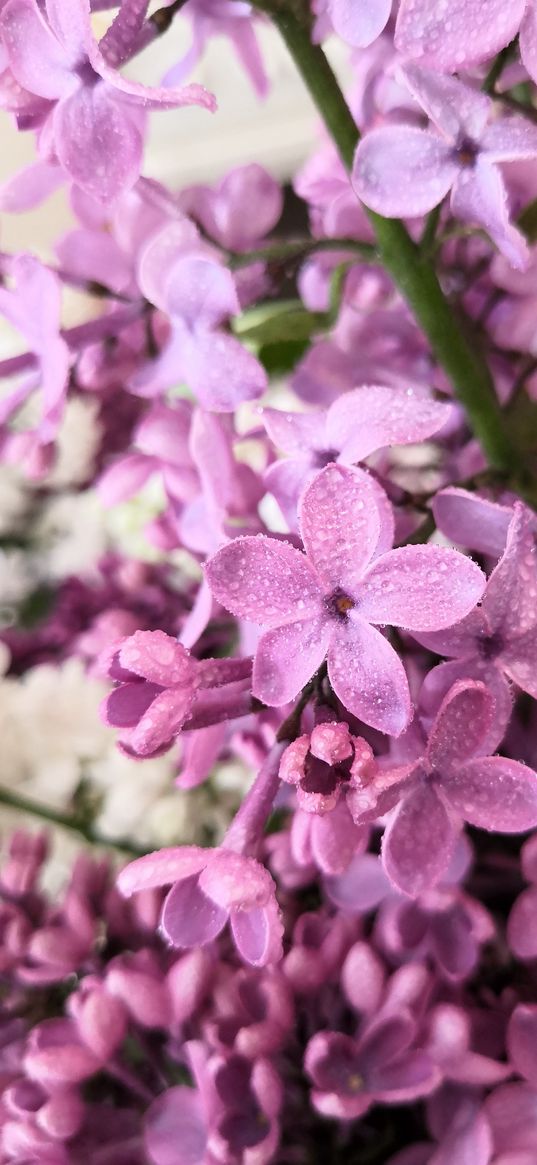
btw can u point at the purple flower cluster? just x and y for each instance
(332, 441)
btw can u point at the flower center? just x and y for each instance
(466, 152)
(339, 604)
(489, 646)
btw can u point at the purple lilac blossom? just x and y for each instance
(329, 600)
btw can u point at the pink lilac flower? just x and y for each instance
(240, 210)
(161, 445)
(381, 1065)
(464, 159)
(498, 641)
(210, 888)
(231, 18)
(185, 281)
(356, 424)
(328, 600)
(323, 764)
(161, 685)
(33, 306)
(444, 923)
(472, 521)
(253, 1013)
(450, 782)
(327, 841)
(54, 55)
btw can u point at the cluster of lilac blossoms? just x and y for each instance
(305, 462)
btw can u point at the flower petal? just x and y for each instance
(123, 707)
(472, 521)
(359, 24)
(494, 793)
(258, 934)
(376, 416)
(418, 842)
(509, 139)
(162, 868)
(402, 172)
(454, 107)
(421, 588)
(84, 126)
(264, 580)
(463, 721)
(162, 721)
(423, 31)
(340, 524)
(368, 677)
(519, 661)
(221, 372)
(522, 925)
(286, 658)
(528, 40)
(37, 59)
(157, 657)
(295, 433)
(510, 598)
(189, 919)
(175, 1131)
(479, 197)
(522, 1042)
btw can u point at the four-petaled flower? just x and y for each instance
(210, 887)
(94, 127)
(403, 171)
(452, 781)
(329, 600)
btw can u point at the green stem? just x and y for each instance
(36, 809)
(297, 248)
(411, 271)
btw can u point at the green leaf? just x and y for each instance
(277, 359)
(278, 323)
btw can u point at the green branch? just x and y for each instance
(65, 821)
(289, 249)
(410, 270)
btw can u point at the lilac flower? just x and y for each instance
(157, 692)
(160, 445)
(209, 888)
(319, 946)
(444, 923)
(326, 841)
(185, 281)
(323, 764)
(327, 602)
(34, 307)
(449, 1044)
(498, 641)
(241, 210)
(158, 685)
(356, 424)
(254, 1013)
(451, 781)
(464, 160)
(382, 1065)
(231, 18)
(54, 55)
